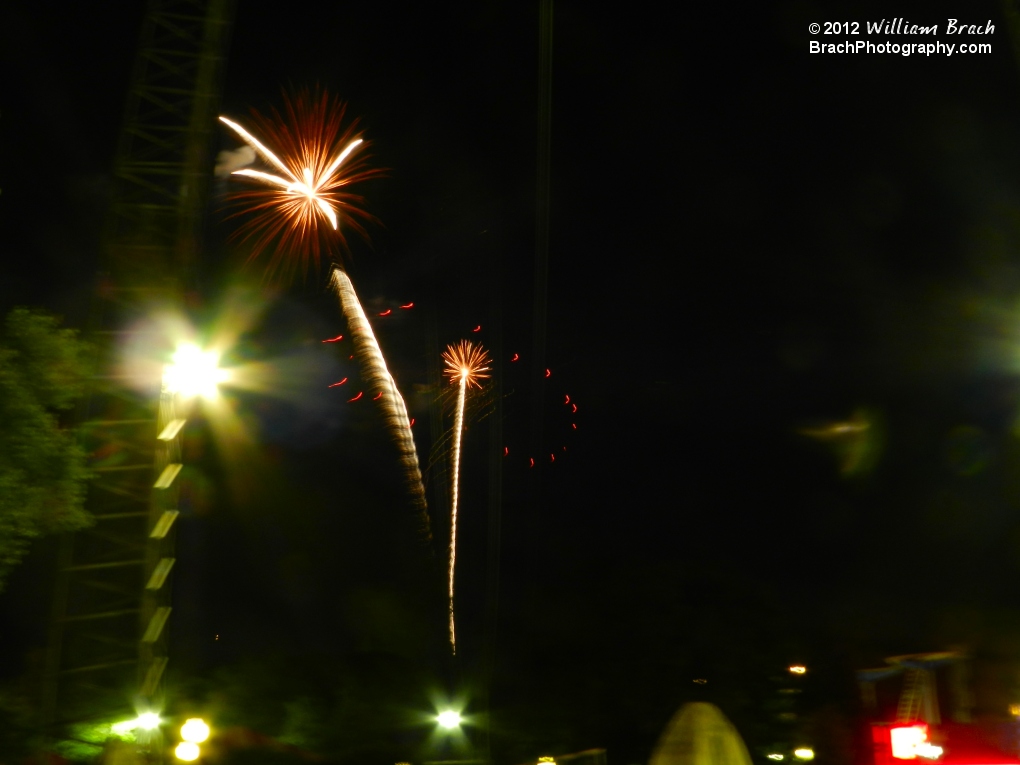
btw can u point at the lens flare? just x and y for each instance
(465, 367)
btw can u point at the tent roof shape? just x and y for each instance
(700, 734)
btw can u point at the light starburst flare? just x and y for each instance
(466, 365)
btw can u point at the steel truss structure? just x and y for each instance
(108, 639)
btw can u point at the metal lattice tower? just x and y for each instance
(108, 634)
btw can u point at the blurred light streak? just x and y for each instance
(360, 394)
(338, 383)
(465, 366)
(336, 339)
(375, 374)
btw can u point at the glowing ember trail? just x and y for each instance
(465, 366)
(377, 376)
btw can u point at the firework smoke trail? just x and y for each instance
(464, 366)
(377, 377)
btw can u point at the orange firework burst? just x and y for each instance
(466, 362)
(303, 196)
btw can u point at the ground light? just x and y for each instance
(449, 719)
(804, 753)
(195, 730)
(146, 721)
(187, 751)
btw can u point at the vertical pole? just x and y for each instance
(542, 202)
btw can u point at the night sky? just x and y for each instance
(749, 243)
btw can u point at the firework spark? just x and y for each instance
(377, 376)
(466, 367)
(305, 189)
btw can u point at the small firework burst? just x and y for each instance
(466, 362)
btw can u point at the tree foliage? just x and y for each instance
(43, 470)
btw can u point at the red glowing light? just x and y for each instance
(360, 394)
(573, 425)
(552, 457)
(409, 305)
(411, 424)
(515, 357)
(477, 329)
(532, 461)
(567, 401)
(575, 407)
(387, 312)
(336, 339)
(506, 450)
(548, 373)
(377, 396)
(338, 383)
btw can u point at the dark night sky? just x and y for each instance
(747, 241)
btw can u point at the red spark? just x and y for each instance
(338, 383)
(387, 312)
(515, 357)
(411, 424)
(477, 329)
(532, 461)
(377, 396)
(336, 339)
(573, 425)
(360, 394)
(548, 373)
(409, 305)
(575, 407)
(567, 401)
(506, 450)
(552, 457)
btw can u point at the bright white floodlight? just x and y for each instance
(195, 730)
(194, 372)
(148, 721)
(187, 751)
(449, 719)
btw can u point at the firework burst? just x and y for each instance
(301, 198)
(466, 365)
(299, 208)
